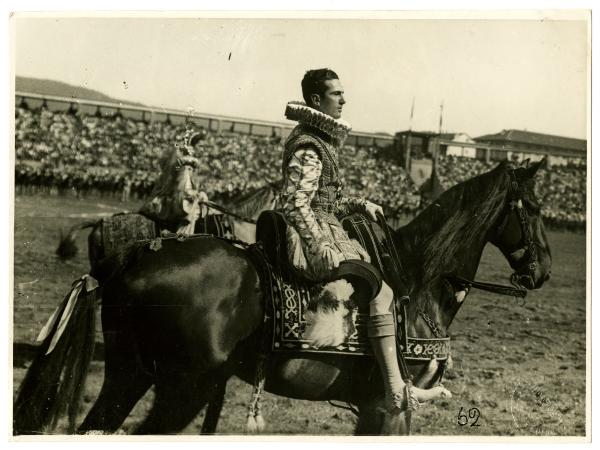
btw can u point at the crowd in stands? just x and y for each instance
(560, 189)
(70, 151)
(66, 150)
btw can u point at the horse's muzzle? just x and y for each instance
(523, 280)
(528, 281)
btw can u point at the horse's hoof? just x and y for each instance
(425, 395)
(444, 393)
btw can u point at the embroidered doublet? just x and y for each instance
(312, 192)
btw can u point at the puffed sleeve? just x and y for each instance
(303, 173)
(349, 205)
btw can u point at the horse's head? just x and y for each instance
(520, 233)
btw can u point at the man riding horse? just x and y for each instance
(313, 200)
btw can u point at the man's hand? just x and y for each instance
(372, 209)
(329, 256)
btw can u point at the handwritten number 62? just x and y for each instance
(463, 419)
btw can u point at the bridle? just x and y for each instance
(226, 211)
(527, 247)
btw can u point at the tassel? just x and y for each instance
(251, 425)
(260, 422)
(254, 420)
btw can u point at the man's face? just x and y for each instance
(332, 101)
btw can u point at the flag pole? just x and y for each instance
(409, 137)
(437, 147)
(441, 117)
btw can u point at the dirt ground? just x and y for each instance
(519, 368)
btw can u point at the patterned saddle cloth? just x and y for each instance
(220, 225)
(121, 230)
(289, 295)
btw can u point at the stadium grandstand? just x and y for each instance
(97, 147)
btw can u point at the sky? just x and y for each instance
(489, 74)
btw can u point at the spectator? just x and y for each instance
(121, 156)
(560, 189)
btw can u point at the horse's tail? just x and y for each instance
(56, 378)
(67, 248)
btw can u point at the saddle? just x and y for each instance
(290, 293)
(271, 233)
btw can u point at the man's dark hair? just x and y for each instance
(314, 82)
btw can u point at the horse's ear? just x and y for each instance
(504, 164)
(532, 169)
(526, 163)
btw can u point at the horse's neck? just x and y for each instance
(432, 292)
(411, 240)
(437, 297)
(252, 208)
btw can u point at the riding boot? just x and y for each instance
(382, 335)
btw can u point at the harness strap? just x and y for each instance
(430, 323)
(490, 287)
(397, 277)
(226, 211)
(185, 237)
(395, 273)
(517, 204)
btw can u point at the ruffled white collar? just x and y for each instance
(305, 115)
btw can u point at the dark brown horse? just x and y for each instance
(187, 317)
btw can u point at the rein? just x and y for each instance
(467, 284)
(226, 211)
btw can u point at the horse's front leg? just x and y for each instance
(372, 420)
(213, 410)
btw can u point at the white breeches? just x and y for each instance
(382, 304)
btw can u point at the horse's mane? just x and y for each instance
(456, 219)
(253, 202)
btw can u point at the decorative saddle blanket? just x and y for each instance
(220, 225)
(121, 230)
(290, 296)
